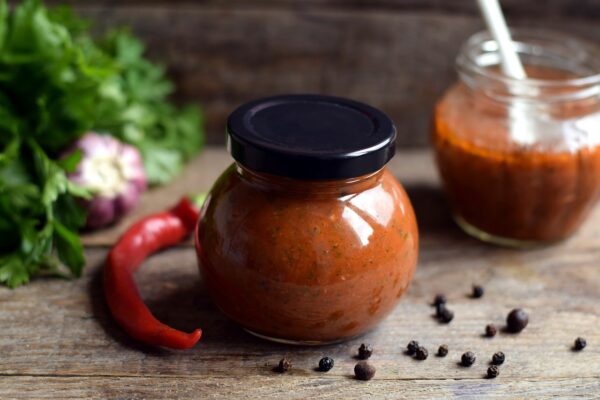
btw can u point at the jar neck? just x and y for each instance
(326, 188)
(560, 69)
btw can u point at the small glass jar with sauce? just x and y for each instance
(520, 159)
(307, 237)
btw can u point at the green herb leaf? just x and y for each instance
(69, 248)
(13, 271)
(70, 162)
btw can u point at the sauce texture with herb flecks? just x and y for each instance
(523, 192)
(309, 261)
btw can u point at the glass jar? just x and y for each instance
(307, 237)
(520, 159)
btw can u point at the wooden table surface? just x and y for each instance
(58, 341)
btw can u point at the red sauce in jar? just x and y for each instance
(306, 259)
(529, 193)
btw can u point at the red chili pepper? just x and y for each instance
(147, 236)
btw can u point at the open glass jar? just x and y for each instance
(307, 237)
(520, 159)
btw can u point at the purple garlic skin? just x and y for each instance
(114, 174)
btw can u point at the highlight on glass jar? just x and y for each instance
(307, 237)
(520, 158)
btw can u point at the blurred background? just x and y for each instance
(397, 55)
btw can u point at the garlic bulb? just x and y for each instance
(114, 174)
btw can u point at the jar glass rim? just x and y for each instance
(316, 187)
(474, 57)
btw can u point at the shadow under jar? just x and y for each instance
(307, 237)
(520, 159)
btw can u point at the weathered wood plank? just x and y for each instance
(324, 388)
(55, 327)
(559, 9)
(222, 56)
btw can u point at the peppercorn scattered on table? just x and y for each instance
(58, 339)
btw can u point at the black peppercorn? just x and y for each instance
(412, 347)
(284, 365)
(490, 330)
(365, 351)
(468, 359)
(443, 351)
(421, 353)
(477, 291)
(493, 371)
(580, 344)
(498, 358)
(325, 364)
(446, 316)
(364, 371)
(439, 299)
(517, 320)
(440, 309)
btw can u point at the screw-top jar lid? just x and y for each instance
(311, 137)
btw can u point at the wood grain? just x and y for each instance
(395, 55)
(560, 9)
(58, 340)
(306, 388)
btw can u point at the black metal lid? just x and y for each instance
(311, 137)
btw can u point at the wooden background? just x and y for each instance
(394, 54)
